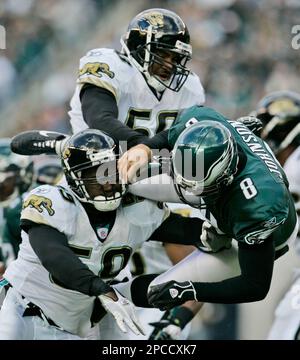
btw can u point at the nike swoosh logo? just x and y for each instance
(47, 133)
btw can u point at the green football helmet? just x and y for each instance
(204, 159)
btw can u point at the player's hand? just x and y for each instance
(122, 310)
(212, 240)
(132, 161)
(252, 122)
(170, 294)
(165, 330)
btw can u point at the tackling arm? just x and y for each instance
(66, 268)
(256, 266)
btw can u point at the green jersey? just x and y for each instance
(253, 206)
(11, 232)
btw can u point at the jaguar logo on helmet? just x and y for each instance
(279, 112)
(283, 106)
(155, 19)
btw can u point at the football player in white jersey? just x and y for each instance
(280, 114)
(76, 238)
(136, 94)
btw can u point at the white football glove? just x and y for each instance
(165, 330)
(123, 311)
(212, 240)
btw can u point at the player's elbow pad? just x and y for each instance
(258, 291)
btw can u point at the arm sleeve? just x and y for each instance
(51, 247)
(256, 263)
(100, 111)
(159, 141)
(157, 188)
(177, 229)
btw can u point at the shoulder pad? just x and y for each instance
(52, 206)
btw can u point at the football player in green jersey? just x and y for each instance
(221, 167)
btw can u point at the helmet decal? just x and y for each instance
(280, 114)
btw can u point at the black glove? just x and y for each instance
(170, 294)
(171, 324)
(253, 123)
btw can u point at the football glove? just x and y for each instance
(212, 240)
(170, 326)
(170, 294)
(123, 311)
(253, 123)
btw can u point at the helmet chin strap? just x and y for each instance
(101, 204)
(153, 82)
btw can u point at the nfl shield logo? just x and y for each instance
(102, 233)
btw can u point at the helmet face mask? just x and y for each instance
(90, 165)
(280, 114)
(204, 159)
(150, 35)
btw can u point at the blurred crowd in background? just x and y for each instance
(241, 50)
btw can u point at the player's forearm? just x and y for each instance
(253, 284)
(177, 229)
(52, 249)
(159, 141)
(157, 188)
(100, 111)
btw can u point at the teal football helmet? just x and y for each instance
(204, 159)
